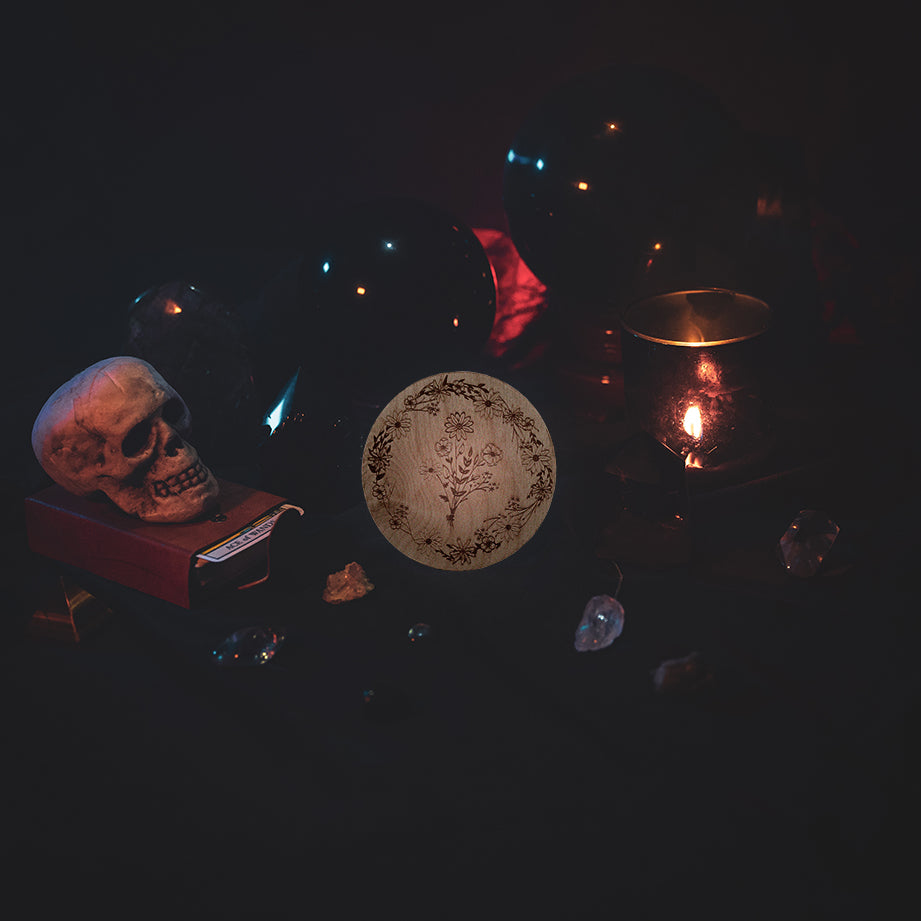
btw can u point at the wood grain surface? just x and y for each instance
(458, 471)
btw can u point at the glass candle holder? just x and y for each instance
(694, 365)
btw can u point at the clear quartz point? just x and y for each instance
(806, 542)
(601, 624)
(249, 646)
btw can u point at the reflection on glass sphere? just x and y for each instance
(196, 341)
(312, 450)
(389, 291)
(606, 169)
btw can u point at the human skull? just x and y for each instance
(117, 428)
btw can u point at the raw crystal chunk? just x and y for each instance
(347, 585)
(601, 624)
(806, 542)
(249, 646)
(685, 674)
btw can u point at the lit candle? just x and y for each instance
(692, 424)
(691, 373)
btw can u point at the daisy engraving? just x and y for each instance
(480, 443)
(428, 542)
(463, 551)
(461, 473)
(398, 423)
(429, 469)
(458, 426)
(488, 404)
(534, 457)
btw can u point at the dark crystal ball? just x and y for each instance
(389, 291)
(311, 452)
(196, 340)
(608, 166)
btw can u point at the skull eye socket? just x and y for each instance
(136, 439)
(173, 410)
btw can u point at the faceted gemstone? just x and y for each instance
(419, 633)
(249, 646)
(806, 542)
(601, 624)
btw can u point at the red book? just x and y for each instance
(180, 563)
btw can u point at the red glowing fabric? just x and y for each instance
(520, 296)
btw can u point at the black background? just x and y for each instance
(140, 142)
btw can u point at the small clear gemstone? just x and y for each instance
(419, 633)
(249, 646)
(601, 624)
(806, 542)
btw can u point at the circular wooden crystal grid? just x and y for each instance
(458, 471)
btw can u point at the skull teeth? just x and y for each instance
(172, 486)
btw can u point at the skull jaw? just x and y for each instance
(176, 507)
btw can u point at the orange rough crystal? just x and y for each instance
(347, 585)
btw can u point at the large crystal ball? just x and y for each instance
(605, 168)
(389, 291)
(197, 341)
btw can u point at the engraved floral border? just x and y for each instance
(535, 456)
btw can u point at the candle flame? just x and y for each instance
(172, 307)
(693, 460)
(692, 422)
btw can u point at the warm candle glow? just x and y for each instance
(769, 207)
(172, 307)
(692, 422)
(708, 372)
(582, 185)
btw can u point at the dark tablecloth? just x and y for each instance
(521, 779)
